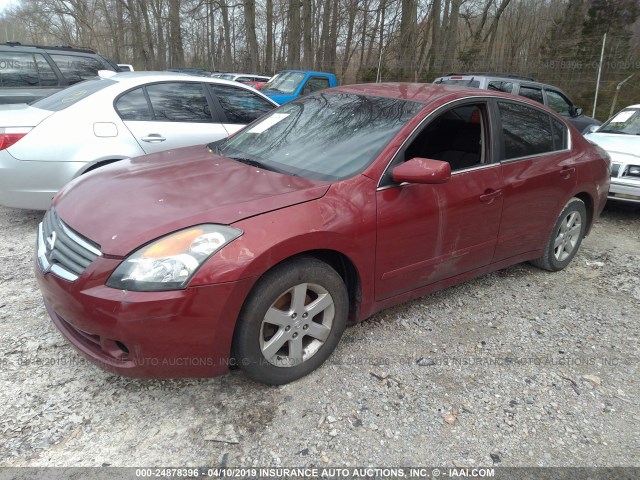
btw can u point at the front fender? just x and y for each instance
(339, 221)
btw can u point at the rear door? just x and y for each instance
(538, 172)
(168, 115)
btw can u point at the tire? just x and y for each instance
(565, 238)
(291, 321)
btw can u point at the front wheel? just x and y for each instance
(291, 322)
(566, 237)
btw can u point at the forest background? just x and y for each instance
(554, 41)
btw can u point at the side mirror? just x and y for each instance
(590, 129)
(576, 111)
(422, 170)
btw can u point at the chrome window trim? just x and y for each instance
(455, 172)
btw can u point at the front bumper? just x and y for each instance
(180, 333)
(32, 184)
(625, 190)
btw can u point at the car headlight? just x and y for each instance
(170, 262)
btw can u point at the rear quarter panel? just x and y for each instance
(69, 135)
(593, 176)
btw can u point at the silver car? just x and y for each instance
(620, 137)
(48, 143)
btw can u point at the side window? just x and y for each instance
(456, 136)
(506, 87)
(315, 84)
(134, 106)
(48, 78)
(18, 70)
(76, 68)
(531, 92)
(558, 102)
(526, 131)
(240, 105)
(179, 102)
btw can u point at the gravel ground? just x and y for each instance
(520, 367)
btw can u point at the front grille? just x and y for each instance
(67, 252)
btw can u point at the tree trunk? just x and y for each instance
(250, 29)
(435, 35)
(324, 36)
(148, 32)
(333, 38)
(175, 35)
(269, 47)
(353, 10)
(452, 35)
(161, 56)
(293, 34)
(408, 21)
(226, 31)
(307, 26)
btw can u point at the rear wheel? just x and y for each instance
(291, 322)
(566, 237)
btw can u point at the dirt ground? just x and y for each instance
(520, 367)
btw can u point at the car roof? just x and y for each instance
(243, 74)
(313, 72)
(502, 76)
(509, 76)
(145, 76)
(417, 92)
(17, 46)
(127, 80)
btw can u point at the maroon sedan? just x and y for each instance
(260, 249)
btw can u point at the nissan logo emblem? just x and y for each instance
(51, 240)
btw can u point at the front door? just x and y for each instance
(428, 233)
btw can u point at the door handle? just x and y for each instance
(489, 196)
(566, 172)
(153, 138)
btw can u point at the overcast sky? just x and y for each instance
(5, 3)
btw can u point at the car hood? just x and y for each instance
(21, 115)
(129, 203)
(621, 148)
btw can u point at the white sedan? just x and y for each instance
(620, 137)
(91, 124)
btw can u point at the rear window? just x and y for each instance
(71, 95)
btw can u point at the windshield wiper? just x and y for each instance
(251, 162)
